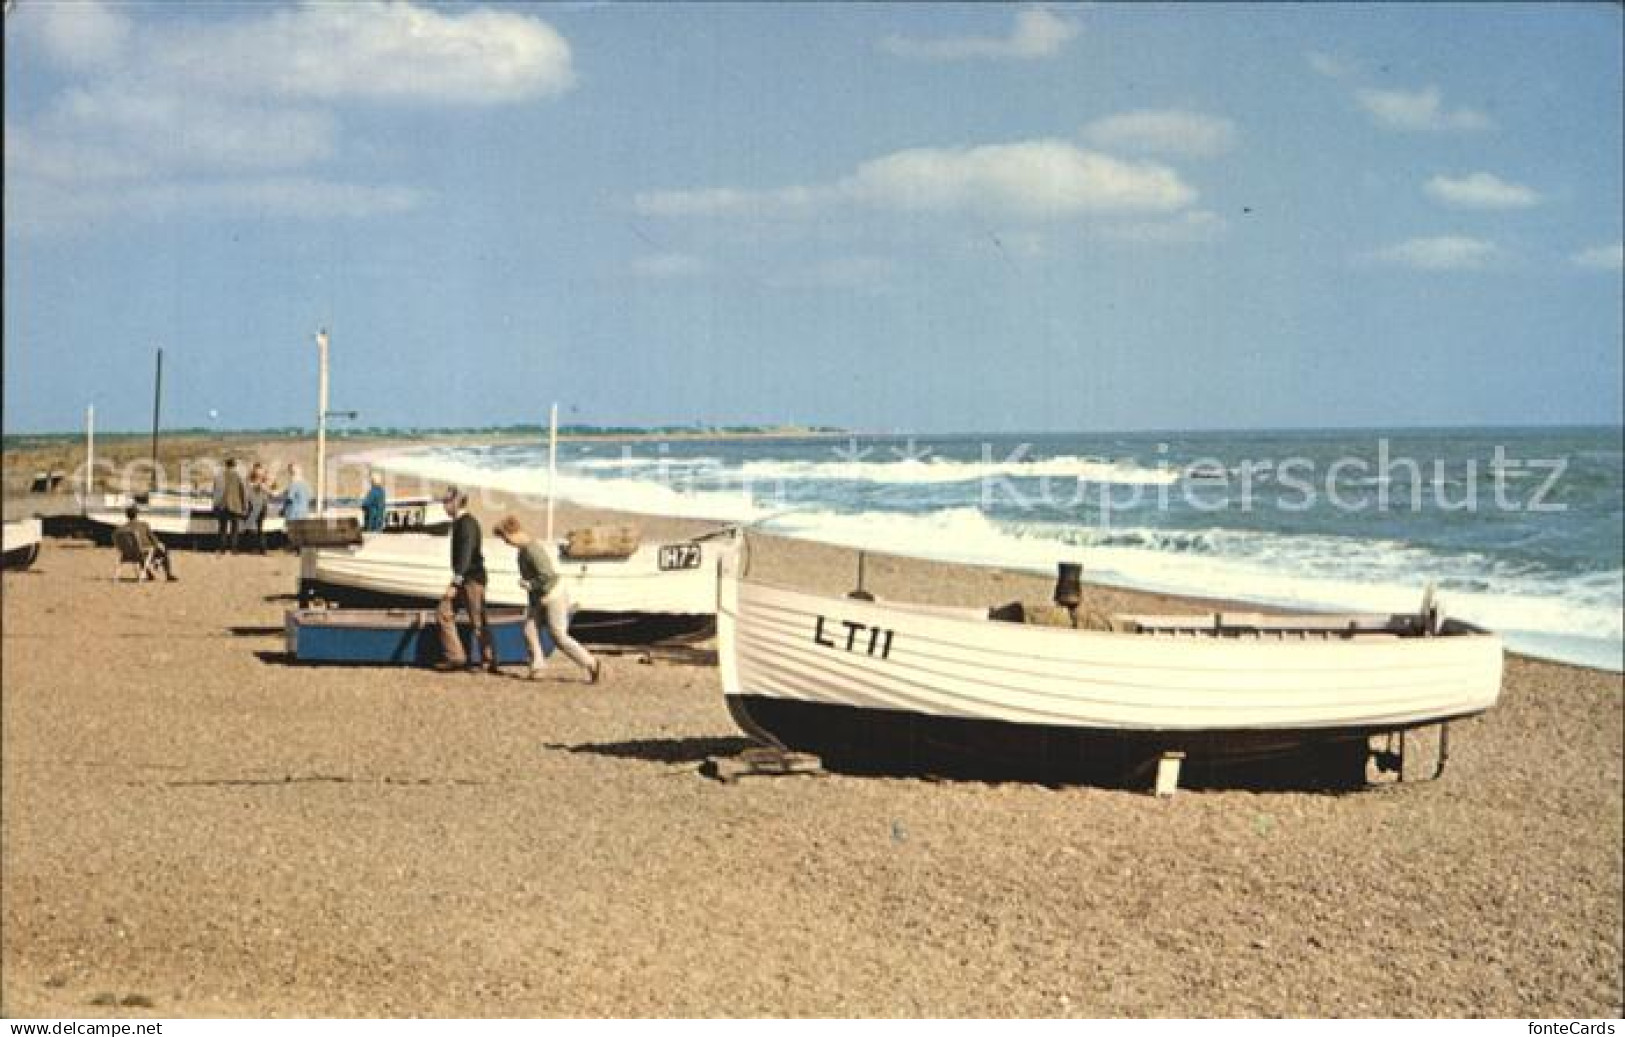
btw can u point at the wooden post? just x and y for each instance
(552, 465)
(1168, 774)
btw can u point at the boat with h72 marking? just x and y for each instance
(659, 591)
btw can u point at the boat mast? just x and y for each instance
(157, 406)
(321, 420)
(90, 454)
(552, 463)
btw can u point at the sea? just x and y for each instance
(1519, 530)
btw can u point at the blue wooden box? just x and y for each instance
(398, 637)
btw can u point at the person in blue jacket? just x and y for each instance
(372, 505)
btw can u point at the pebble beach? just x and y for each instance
(194, 826)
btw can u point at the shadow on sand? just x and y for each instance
(660, 750)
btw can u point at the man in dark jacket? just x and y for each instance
(467, 587)
(230, 504)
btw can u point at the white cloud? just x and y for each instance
(41, 207)
(1037, 33)
(1168, 132)
(78, 34)
(1418, 110)
(1481, 191)
(1035, 179)
(243, 110)
(1447, 252)
(1600, 257)
(164, 130)
(668, 265)
(370, 50)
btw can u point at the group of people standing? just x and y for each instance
(242, 505)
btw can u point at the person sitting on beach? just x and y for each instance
(467, 588)
(549, 602)
(148, 540)
(296, 502)
(374, 506)
(230, 505)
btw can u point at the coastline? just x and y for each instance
(351, 457)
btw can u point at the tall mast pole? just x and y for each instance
(157, 406)
(321, 420)
(552, 466)
(90, 453)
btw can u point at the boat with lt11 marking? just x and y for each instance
(894, 686)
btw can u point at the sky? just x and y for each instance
(890, 217)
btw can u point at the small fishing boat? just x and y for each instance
(398, 637)
(21, 540)
(659, 591)
(175, 524)
(191, 517)
(401, 514)
(884, 685)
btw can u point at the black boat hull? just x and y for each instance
(874, 741)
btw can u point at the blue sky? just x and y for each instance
(913, 217)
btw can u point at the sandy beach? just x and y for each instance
(194, 827)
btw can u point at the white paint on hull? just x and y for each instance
(419, 566)
(782, 643)
(19, 535)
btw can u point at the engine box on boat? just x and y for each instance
(601, 542)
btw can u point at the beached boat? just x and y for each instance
(401, 514)
(661, 590)
(895, 686)
(189, 517)
(398, 637)
(172, 523)
(21, 541)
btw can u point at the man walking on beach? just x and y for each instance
(467, 587)
(549, 603)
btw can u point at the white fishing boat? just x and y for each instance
(185, 516)
(179, 523)
(660, 590)
(20, 541)
(890, 685)
(400, 513)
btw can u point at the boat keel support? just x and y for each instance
(1167, 783)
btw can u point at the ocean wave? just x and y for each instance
(630, 463)
(1577, 617)
(642, 496)
(1574, 617)
(944, 470)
